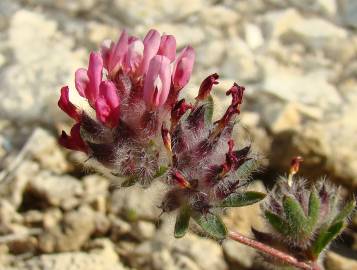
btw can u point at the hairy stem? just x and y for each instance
(272, 252)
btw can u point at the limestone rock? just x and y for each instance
(73, 231)
(218, 16)
(242, 65)
(134, 12)
(335, 261)
(56, 190)
(100, 258)
(137, 203)
(349, 9)
(43, 61)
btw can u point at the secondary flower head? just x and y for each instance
(207, 172)
(131, 86)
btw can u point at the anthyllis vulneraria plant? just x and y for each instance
(136, 127)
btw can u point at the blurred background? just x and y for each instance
(297, 59)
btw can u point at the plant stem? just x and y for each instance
(272, 252)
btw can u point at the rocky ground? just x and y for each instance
(297, 59)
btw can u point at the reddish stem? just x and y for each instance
(272, 252)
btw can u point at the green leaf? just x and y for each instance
(325, 237)
(161, 171)
(277, 222)
(295, 215)
(246, 169)
(209, 106)
(314, 209)
(242, 199)
(345, 211)
(211, 224)
(182, 221)
(130, 181)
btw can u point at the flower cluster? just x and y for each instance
(303, 218)
(207, 172)
(131, 86)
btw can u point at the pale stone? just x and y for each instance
(101, 258)
(135, 12)
(240, 63)
(281, 119)
(314, 32)
(185, 34)
(278, 22)
(56, 190)
(328, 7)
(253, 36)
(349, 10)
(335, 261)
(218, 15)
(210, 54)
(40, 65)
(292, 84)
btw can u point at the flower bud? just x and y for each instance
(134, 55)
(107, 104)
(206, 86)
(168, 47)
(183, 68)
(87, 81)
(157, 81)
(151, 46)
(118, 53)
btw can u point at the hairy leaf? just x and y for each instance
(314, 209)
(182, 221)
(242, 199)
(345, 211)
(325, 237)
(277, 222)
(295, 215)
(212, 224)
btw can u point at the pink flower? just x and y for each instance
(117, 53)
(168, 47)
(134, 56)
(68, 106)
(151, 46)
(87, 81)
(107, 105)
(183, 68)
(157, 81)
(74, 140)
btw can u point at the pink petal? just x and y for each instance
(106, 50)
(95, 69)
(67, 106)
(151, 46)
(118, 53)
(157, 81)
(183, 68)
(134, 56)
(81, 81)
(108, 104)
(168, 47)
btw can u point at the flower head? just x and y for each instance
(130, 88)
(207, 171)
